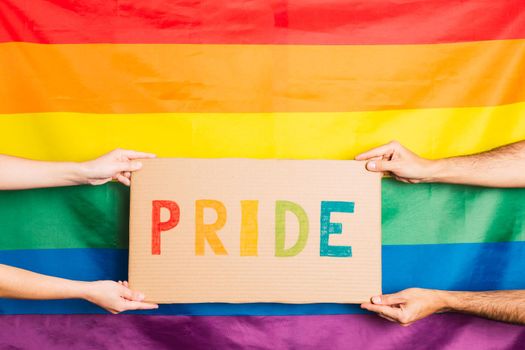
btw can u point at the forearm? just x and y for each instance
(18, 173)
(22, 284)
(506, 306)
(500, 167)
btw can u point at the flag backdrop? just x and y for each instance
(296, 79)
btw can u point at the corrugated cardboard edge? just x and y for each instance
(131, 225)
(380, 199)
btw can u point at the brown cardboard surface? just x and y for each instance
(178, 275)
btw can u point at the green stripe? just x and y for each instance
(442, 213)
(65, 217)
(97, 217)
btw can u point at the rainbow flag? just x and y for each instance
(296, 79)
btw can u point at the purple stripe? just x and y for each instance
(447, 331)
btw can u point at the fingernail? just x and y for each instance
(140, 296)
(137, 165)
(371, 165)
(376, 300)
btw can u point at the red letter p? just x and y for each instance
(157, 226)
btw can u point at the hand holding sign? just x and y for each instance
(115, 165)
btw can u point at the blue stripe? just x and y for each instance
(468, 266)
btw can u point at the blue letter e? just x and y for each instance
(328, 228)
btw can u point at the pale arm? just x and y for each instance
(501, 167)
(413, 304)
(19, 173)
(115, 297)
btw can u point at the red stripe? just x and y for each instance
(261, 21)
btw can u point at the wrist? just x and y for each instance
(436, 170)
(82, 173)
(70, 173)
(85, 290)
(77, 290)
(447, 301)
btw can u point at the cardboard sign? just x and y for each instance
(242, 230)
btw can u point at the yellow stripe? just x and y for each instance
(125, 78)
(430, 132)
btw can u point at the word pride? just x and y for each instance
(209, 233)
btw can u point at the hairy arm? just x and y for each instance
(113, 296)
(500, 167)
(413, 304)
(503, 305)
(19, 173)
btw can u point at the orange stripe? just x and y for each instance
(128, 78)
